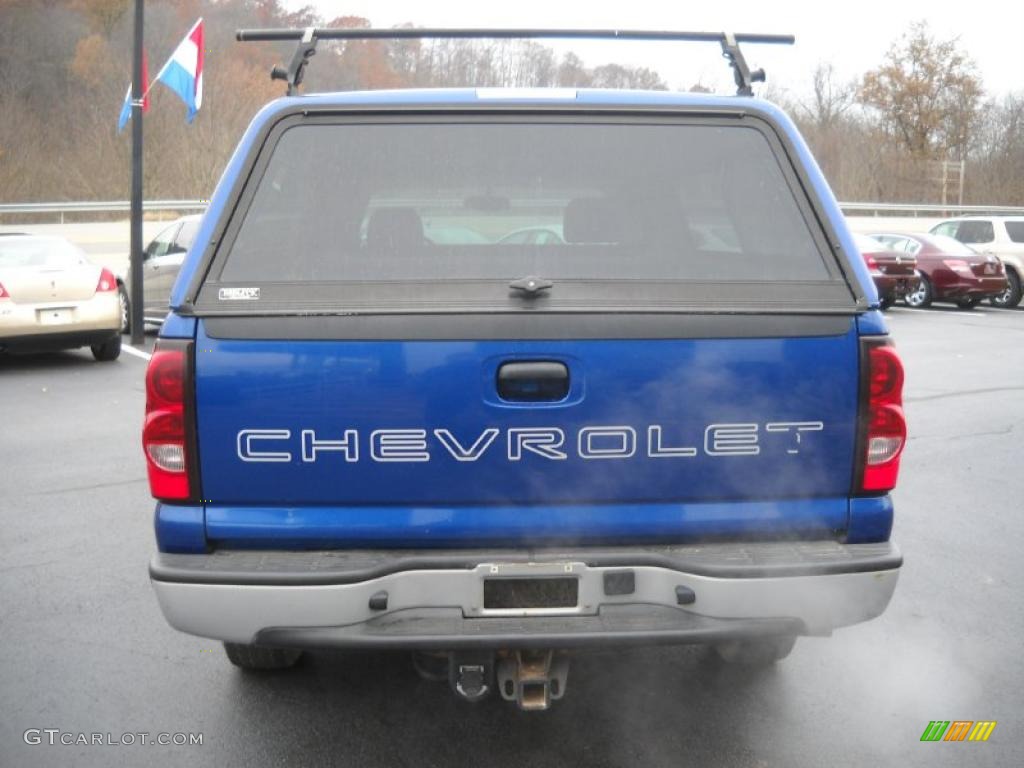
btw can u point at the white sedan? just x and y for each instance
(53, 297)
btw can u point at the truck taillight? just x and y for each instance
(107, 282)
(166, 433)
(882, 428)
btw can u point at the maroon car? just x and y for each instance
(893, 272)
(950, 271)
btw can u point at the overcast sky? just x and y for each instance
(854, 36)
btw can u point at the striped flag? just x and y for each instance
(126, 107)
(183, 72)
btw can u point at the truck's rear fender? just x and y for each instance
(177, 327)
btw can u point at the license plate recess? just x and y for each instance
(530, 586)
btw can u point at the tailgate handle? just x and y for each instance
(533, 382)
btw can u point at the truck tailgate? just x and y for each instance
(419, 425)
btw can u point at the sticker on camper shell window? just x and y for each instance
(238, 294)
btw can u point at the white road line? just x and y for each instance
(137, 352)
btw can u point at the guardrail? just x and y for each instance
(932, 209)
(109, 206)
(875, 209)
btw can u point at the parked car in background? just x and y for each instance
(950, 271)
(434, 234)
(535, 236)
(1001, 235)
(893, 272)
(161, 263)
(53, 297)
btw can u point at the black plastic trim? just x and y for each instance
(622, 582)
(526, 326)
(532, 381)
(725, 561)
(447, 629)
(685, 595)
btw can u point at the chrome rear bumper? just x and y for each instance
(437, 599)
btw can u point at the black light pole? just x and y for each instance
(135, 258)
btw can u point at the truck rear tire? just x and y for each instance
(256, 657)
(756, 653)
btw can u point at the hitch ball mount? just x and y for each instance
(532, 679)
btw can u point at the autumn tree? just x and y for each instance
(927, 94)
(365, 63)
(103, 15)
(91, 62)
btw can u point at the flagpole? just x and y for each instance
(135, 257)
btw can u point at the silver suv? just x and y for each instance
(1001, 235)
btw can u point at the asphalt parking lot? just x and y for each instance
(84, 648)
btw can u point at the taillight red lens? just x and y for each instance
(165, 379)
(164, 433)
(885, 375)
(870, 260)
(883, 423)
(3, 293)
(958, 265)
(107, 282)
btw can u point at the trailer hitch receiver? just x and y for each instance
(533, 679)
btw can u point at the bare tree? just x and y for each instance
(618, 76)
(997, 154)
(927, 94)
(831, 100)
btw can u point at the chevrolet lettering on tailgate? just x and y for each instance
(599, 442)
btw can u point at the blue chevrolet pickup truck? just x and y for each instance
(376, 420)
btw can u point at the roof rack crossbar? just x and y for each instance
(309, 37)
